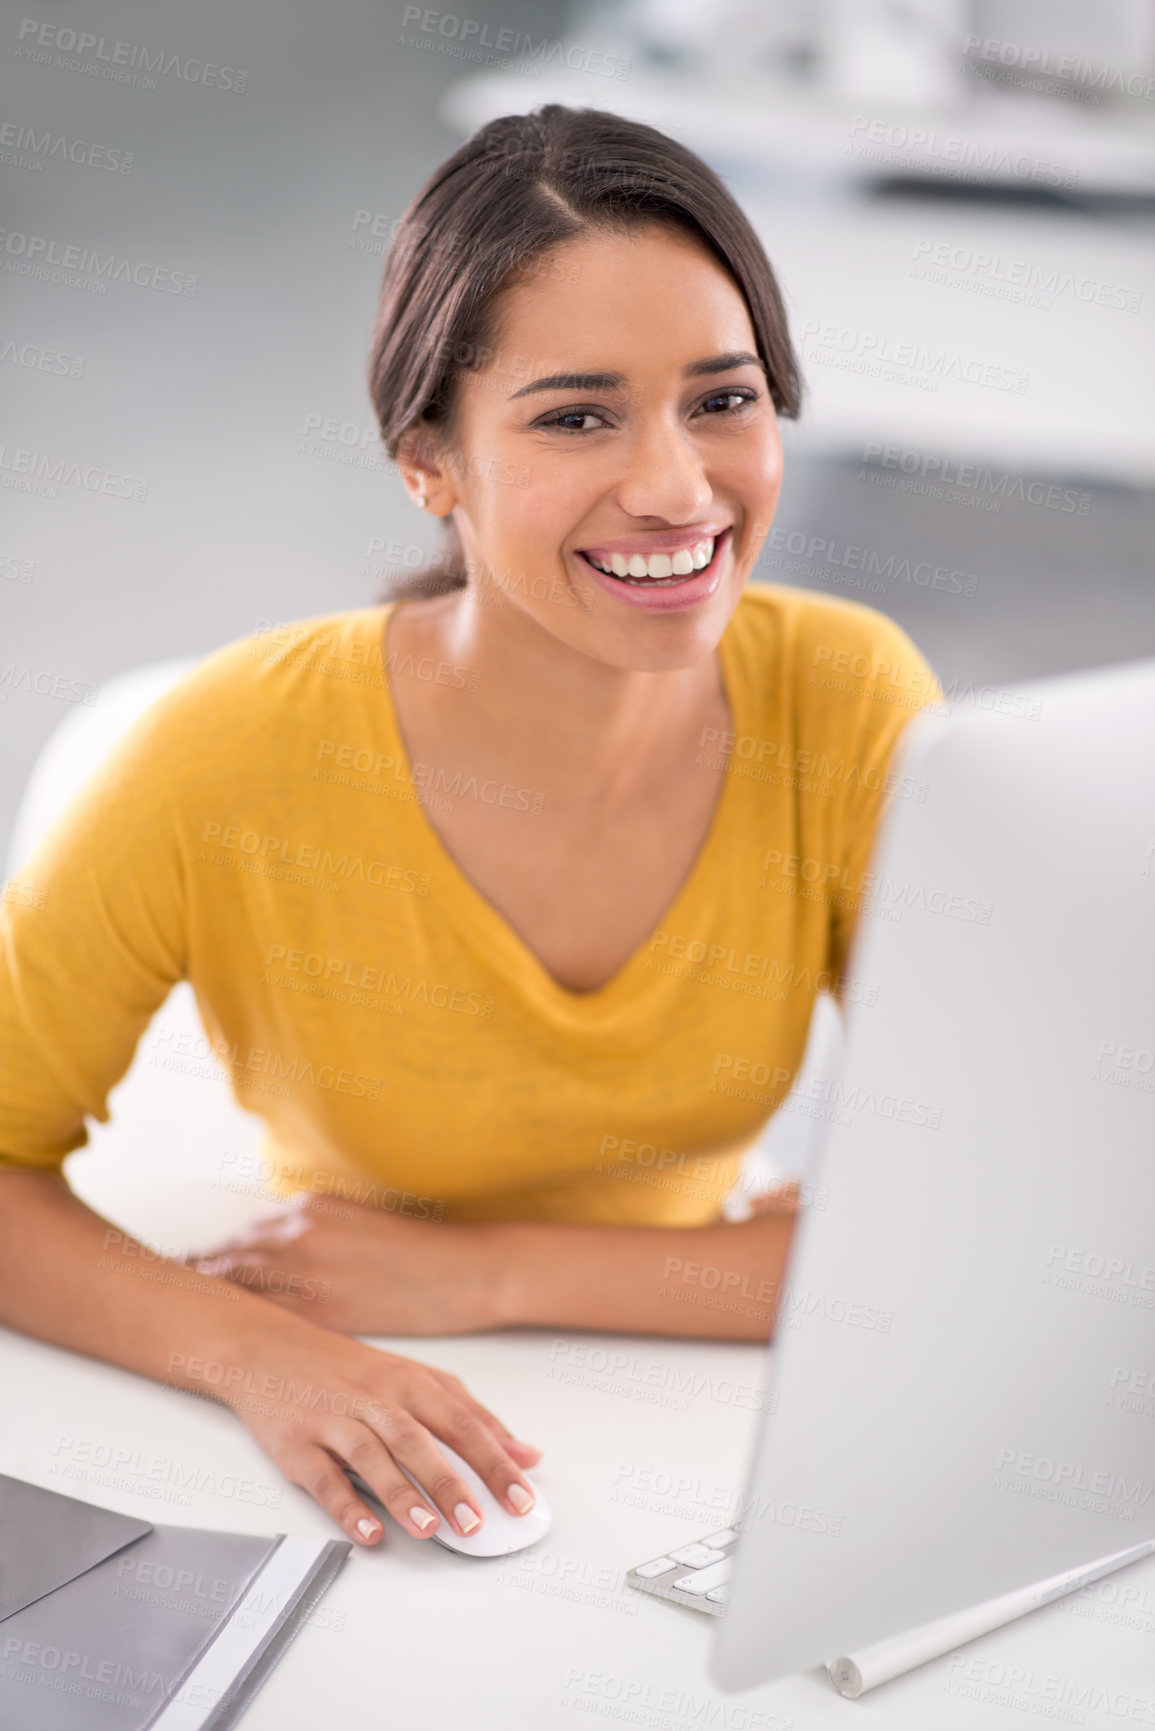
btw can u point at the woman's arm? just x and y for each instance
(358, 1269)
(70, 1277)
(719, 1282)
(311, 1399)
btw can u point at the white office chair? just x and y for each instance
(79, 744)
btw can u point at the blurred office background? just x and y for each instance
(958, 196)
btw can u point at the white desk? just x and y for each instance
(411, 1635)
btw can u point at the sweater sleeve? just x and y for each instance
(92, 939)
(889, 682)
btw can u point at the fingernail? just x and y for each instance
(465, 1517)
(421, 1518)
(520, 1498)
(367, 1528)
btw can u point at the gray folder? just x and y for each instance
(108, 1623)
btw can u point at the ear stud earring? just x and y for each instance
(421, 499)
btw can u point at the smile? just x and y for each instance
(668, 567)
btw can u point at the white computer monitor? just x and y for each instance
(964, 1362)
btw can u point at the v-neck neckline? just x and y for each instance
(485, 917)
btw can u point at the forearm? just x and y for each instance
(720, 1282)
(69, 1277)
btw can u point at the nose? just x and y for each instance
(664, 475)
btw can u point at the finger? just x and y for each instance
(245, 1233)
(411, 1446)
(779, 1201)
(255, 1272)
(227, 1265)
(475, 1442)
(269, 1229)
(523, 1452)
(315, 1470)
(232, 1247)
(358, 1447)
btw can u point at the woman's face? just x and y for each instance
(615, 465)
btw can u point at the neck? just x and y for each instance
(554, 712)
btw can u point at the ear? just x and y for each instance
(425, 476)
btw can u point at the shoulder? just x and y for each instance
(832, 655)
(821, 630)
(250, 702)
(279, 656)
(298, 662)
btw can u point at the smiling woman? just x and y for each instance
(497, 215)
(490, 895)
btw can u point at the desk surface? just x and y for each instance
(645, 1443)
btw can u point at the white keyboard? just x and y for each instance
(697, 1574)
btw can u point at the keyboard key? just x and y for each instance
(721, 1538)
(660, 1566)
(720, 1595)
(703, 1581)
(696, 1556)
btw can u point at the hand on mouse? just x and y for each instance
(318, 1402)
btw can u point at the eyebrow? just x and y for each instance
(617, 381)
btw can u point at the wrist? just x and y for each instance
(506, 1287)
(230, 1364)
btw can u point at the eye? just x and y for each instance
(577, 420)
(727, 402)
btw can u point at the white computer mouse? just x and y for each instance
(499, 1532)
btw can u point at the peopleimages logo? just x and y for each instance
(878, 355)
(33, 254)
(313, 856)
(473, 39)
(121, 62)
(164, 1472)
(1044, 63)
(45, 684)
(842, 556)
(24, 147)
(37, 472)
(640, 1701)
(1046, 1694)
(868, 889)
(955, 156)
(940, 471)
(39, 359)
(1015, 278)
(1070, 1482)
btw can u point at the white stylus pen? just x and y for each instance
(858, 1672)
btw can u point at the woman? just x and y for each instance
(506, 907)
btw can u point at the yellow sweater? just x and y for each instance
(260, 833)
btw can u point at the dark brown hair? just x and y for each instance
(519, 187)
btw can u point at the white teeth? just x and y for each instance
(635, 567)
